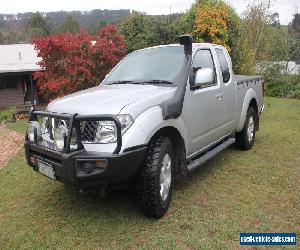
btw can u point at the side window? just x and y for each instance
(224, 65)
(8, 82)
(202, 59)
(2, 84)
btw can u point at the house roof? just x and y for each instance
(18, 58)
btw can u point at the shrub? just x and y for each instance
(7, 115)
(282, 90)
(279, 83)
(72, 62)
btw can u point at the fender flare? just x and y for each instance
(250, 94)
(152, 120)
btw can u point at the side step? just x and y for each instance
(210, 154)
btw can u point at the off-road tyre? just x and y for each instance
(148, 180)
(243, 140)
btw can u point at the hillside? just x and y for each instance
(86, 19)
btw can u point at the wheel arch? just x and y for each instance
(249, 100)
(178, 146)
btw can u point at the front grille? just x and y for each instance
(90, 131)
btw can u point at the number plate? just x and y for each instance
(47, 170)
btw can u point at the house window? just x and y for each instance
(8, 82)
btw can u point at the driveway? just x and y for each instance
(10, 144)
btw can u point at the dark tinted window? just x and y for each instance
(8, 82)
(202, 59)
(224, 65)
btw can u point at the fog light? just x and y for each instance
(88, 166)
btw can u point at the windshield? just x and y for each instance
(161, 63)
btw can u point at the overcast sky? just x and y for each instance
(286, 8)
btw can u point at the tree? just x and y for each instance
(101, 24)
(37, 26)
(296, 24)
(2, 38)
(212, 21)
(262, 39)
(138, 30)
(94, 28)
(73, 66)
(275, 19)
(296, 33)
(143, 31)
(252, 39)
(69, 25)
(167, 31)
(13, 33)
(12, 36)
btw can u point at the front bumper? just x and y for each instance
(68, 165)
(118, 166)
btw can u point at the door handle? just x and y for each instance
(219, 96)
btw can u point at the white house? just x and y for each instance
(17, 63)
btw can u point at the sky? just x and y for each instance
(285, 8)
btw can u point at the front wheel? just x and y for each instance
(155, 178)
(246, 137)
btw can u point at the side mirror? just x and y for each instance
(204, 76)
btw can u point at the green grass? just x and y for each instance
(238, 191)
(19, 126)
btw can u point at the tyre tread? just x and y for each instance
(147, 178)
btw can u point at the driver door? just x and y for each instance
(203, 109)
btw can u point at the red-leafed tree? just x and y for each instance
(73, 62)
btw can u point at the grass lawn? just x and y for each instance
(238, 191)
(19, 126)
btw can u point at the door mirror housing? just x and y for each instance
(204, 76)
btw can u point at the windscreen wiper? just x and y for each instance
(159, 82)
(140, 82)
(119, 82)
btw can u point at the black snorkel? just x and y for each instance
(187, 42)
(172, 108)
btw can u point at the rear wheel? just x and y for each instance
(246, 137)
(155, 178)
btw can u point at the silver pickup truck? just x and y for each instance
(160, 113)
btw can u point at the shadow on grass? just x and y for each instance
(208, 168)
(122, 202)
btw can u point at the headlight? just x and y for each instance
(34, 131)
(107, 130)
(126, 122)
(60, 134)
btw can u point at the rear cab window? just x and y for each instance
(224, 65)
